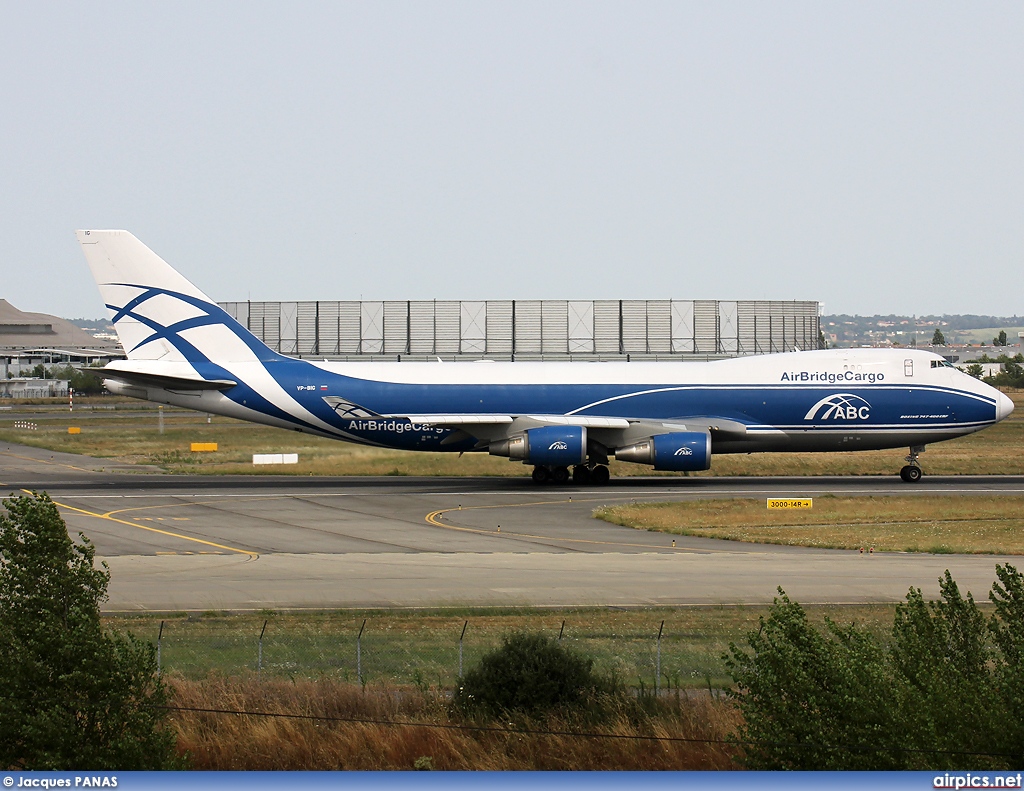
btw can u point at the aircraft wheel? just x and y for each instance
(560, 475)
(581, 474)
(911, 474)
(599, 475)
(541, 474)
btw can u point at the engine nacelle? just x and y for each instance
(681, 451)
(551, 446)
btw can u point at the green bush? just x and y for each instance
(802, 690)
(530, 674)
(71, 695)
(945, 692)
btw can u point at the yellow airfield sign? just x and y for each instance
(790, 503)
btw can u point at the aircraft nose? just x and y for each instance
(1004, 406)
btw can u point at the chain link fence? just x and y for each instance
(370, 651)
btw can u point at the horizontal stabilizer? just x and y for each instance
(145, 379)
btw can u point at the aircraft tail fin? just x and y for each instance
(157, 312)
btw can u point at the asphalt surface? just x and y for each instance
(249, 542)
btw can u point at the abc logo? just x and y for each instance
(841, 406)
(683, 452)
(559, 445)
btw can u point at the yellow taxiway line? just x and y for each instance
(108, 516)
(434, 518)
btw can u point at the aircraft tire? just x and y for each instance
(581, 474)
(541, 475)
(911, 474)
(599, 476)
(560, 475)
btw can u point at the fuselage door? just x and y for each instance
(908, 367)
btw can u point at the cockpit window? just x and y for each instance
(942, 364)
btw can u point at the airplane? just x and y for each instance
(565, 420)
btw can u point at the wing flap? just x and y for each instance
(456, 420)
(491, 420)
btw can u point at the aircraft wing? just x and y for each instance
(463, 421)
(610, 431)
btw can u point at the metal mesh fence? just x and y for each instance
(370, 651)
(532, 329)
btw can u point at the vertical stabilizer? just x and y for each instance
(159, 314)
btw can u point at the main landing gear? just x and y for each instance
(582, 474)
(912, 472)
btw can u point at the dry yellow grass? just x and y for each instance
(954, 524)
(362, 730)
(130, 433)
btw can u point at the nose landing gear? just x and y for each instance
(912, 472)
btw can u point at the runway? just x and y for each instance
(177, 543)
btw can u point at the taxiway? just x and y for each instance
(250, 542)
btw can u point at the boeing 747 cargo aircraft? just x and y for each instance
(562, 419)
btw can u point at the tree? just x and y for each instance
(975, 369)
(942, 662)
(938, 339)
(803, 693)
(945, 691)
(71, 695)
(1007, 627)
(86, 382)
(1000, 339)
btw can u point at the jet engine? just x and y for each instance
(679, 451)
(550, 446)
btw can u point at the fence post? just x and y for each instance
(259, 654)
(657, 676)
(159, 649)
(160, 418)
(461, 638)
(359, 652)
(560, 631)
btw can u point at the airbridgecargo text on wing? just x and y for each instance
(832, 378)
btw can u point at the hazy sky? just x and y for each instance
(868, 155)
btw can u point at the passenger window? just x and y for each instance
(908, 367)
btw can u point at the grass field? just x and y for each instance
(961, 524)
(386, 728)
(984, 336)
(401, 718)
(130, 433)
(421, 649)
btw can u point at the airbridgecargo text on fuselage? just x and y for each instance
(395, 426)
(832, 378)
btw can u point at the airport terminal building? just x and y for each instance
(30, 339)
(582, 330)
